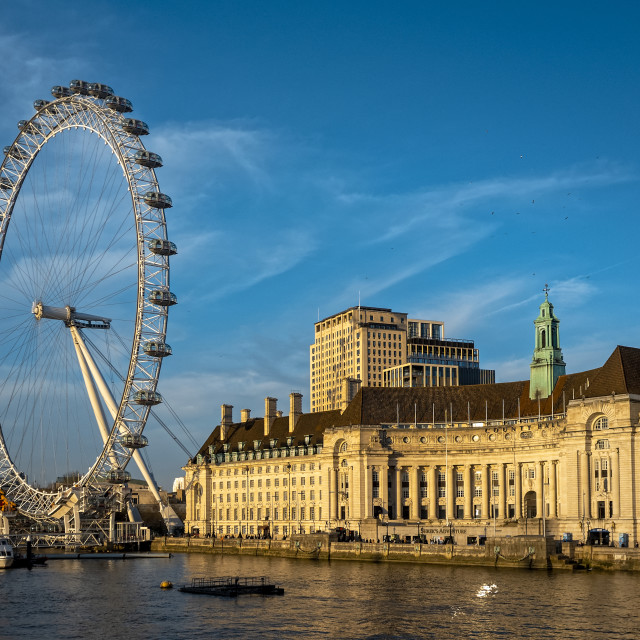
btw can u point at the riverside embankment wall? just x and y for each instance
(530, 552)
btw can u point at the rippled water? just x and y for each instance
(114, 599)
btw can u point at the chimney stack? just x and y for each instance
(295, 410)
(245, 415)
(270, 408)
(350, 387)
(226, 420)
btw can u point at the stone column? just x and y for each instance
(585, 487)
(553, 489)
(367, 512)
(451, 493)
(352, 508)
(518, 471)
(384, 488)
(486, 470)
(398, 492)
(502, 481)
(333, 494)
(468, 491)
(432, 489)
(614, 466)
(414, 487)
(539, 489)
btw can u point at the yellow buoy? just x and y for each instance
(166, 585)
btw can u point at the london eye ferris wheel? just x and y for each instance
(84, 296)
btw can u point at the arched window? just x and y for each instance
(601, 423)
(602, 444)
(543, 338)
(343, 446)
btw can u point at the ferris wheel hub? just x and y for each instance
(70, 316)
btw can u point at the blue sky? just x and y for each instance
(442, 159)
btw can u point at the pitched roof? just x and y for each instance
(619, 374)
(381, 405)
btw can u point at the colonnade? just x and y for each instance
(452, 492)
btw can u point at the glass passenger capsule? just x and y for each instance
(79, 86)
(40, 104)
(147, 397)
(162, 247)
(118, 103)
(100, 90)
(118, 476)
(30, 127)
(6, 183)
(162, 298)
(148, 159)
(136, 127)
(134, 441)
(16, 152)
(157, 349)
(60, 92)
(157, 200)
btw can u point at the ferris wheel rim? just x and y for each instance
(92, 113)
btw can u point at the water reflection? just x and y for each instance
(322, 600)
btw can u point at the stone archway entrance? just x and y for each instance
(530, 504)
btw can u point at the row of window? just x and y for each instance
(267, 482)
(299, 495)
(276, 469)
(293, 513)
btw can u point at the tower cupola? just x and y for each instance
(547, 364)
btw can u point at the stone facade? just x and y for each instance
(468, 461)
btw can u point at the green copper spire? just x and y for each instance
(547, 364)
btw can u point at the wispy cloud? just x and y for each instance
(203, 153)
(443, 205)
(26, 71)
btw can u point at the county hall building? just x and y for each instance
(555, 454)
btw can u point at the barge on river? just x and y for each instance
(233, 586)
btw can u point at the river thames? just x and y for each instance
(118, 599)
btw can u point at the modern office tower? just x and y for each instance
(378, 347)
(352, 349)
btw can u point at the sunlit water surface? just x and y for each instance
(115, 599)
